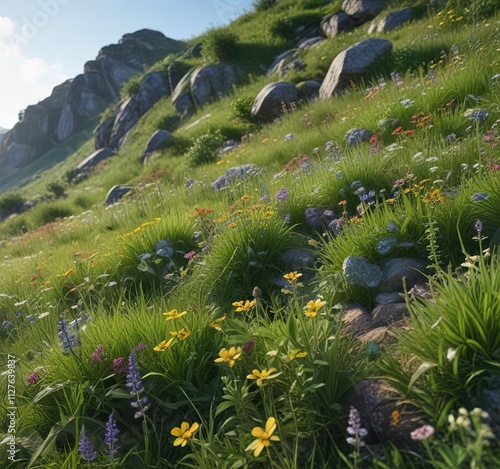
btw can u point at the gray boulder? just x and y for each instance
(181, 96)
(91, 161)
(158, 139)
(273, 99)
(356, 136)
(295, 64)
(210, 83)
(116, 193)
(311, 42)
(236, 173)
(397, 269)
(392, 297)
(299, 259)
(358, 271)
(102, 132)
(351, 64)
(362, 10)
(279, 61)
(335, 24)
(476, 115)
(309, 89)
(392, 21)
(386, 245)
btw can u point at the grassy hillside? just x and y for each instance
(179, 315)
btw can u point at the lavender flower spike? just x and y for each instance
(355, 429)
(135, 385)
(111, 436)
(86, 448)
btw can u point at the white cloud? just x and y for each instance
(24, 80)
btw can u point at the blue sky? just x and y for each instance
(44, 42)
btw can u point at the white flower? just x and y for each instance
(450, 354)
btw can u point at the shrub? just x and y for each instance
(205, 148)
(242, 108)
(219, 45)
(281, 28)
(57, 189)
(262, 5)
(10, 203)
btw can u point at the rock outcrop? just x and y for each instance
(273, 99)
(335, 24)
(351, 64)
(362, 10)
(392, 21)
(72, 103)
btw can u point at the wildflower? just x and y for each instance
(162, 346)
(229, 356)
(120, 365)
(189, 255)
(261, 376)
(184, 432)
(395, 417)
(182, 334)
(479, 196)
(86, 448)
(111, 436)
(217, 323)
(288, 137)
(140, 347)
(7, 325)
(134, 383)
(296, 353)
(244, 306)
(478, 226)
(263, 437)
(249, 345)
(282, 194)
(422, 433)
(33, 378)
(97, 355)
(68, 340)
(173, 314)
(355, 429)
(434, 197)
(292, 277)
(312, 307)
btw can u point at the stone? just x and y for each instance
(309, 89)
(299, 259)
(386, 245)
(356, 320)
(102, 132)
(386, 297)
(359, 271)
(311, 42)
(476, 115)
(388, 123)
(378, 335)
(210, 83)
(313, 216)
(351, 64)
(273, 99)
(181, 96)
(356, 136)
(279, 61)
(388, 313)
(392, 21)
(295, 64)
(229, 146)
(116, 193)
(362, 10)
(157, 140)
(335, 24)
(394, 270)
(236, 173)
(91, 161)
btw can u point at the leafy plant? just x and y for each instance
(219, 45)
(205, 149)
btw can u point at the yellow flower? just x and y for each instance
(183, 433)
(434, 197)
(261, 376)
(173, 314)
(182, 334)
(244, 306)
(264, 437)
(229, 356)
(296, 353)
(232, 225)
(217, 323)
(162, 346)
(312, 307)
(292, 277)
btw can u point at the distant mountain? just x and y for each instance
(71, 104)
(3, 130)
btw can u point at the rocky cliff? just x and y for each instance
(72, 103)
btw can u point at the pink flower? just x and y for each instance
(189, 255)
(97, 355)
(33, 378)
(140, 347)
(120, 365)
(422, 433)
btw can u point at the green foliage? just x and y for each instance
(219, 45)
(263, 5)
(281, 27)
(10, 203)
(242, 108)
(57, 189)
(129, 88)
(205, 149)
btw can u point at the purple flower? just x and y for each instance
(248, 347)
(189, 255)
(422, 433)
(134, 383)
(86, 447)
(97, 355)
(282, 194)
(120, 365)
(140, 347)
(111, 436)
(313, 217)
(478, 226)
(355, 429)
(33, 378)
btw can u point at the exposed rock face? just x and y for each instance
(392, 21)
(69, 106)
(116, 193)
(311, 42)
(91, 161)
(235, 174)
(279, 61)
(335, 24)
(211, 83)
(351, 63)
(159, 138)
(309, 89)
(362, 10)
(272, 99)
